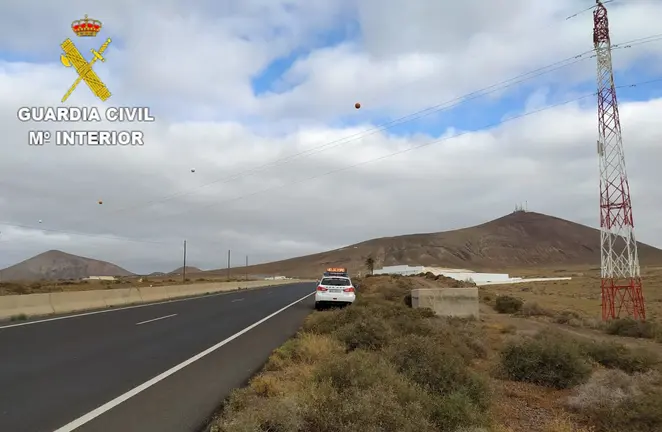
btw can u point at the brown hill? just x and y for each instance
(518, 240)
(55, 264)
(189, 270)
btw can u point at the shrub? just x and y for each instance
(566, 317)
(438, 369)
(378, 365)
(614, 401)
(532, 309)
(456, 410)
(548, 359)
(361, 390)
(412, 324)
(305, 348)
(508, 304)
(509, 329)
(459, 397)
(616, 356)
(407, 300)
(370, 334)
(327, 322)
(632, 328)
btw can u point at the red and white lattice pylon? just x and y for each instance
(621, 286)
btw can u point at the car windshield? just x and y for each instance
(336, 282)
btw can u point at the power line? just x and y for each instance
(417, 79)
(407, 149)
(511, 82)
(346, 168)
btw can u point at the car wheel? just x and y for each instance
(318, 306)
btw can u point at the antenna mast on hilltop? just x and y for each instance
(620, 272)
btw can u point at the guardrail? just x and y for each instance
(74, 301)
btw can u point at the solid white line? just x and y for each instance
(122, 308)
(237, 300)
(144, 386)
(156, 319)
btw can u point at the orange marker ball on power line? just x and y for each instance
(357, 105)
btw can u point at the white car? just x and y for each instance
(334, 290)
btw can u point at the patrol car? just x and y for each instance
(334, 288)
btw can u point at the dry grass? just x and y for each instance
(377, 365)
(613, 401)
(380, 365)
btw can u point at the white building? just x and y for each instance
(106, 278)
(460, 274)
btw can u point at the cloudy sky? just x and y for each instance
(258, 97)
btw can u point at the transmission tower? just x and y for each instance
(620, 273)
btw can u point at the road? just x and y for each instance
(55, 372)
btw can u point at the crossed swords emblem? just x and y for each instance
(73, 57)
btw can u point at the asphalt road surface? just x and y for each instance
(162, 367)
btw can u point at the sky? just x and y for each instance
(467, 110)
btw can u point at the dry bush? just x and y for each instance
(508, 305)
(549, 359)
(509, 329)
(567, 317)
(531, 309)
(614, 401)
(438, 368)
(305, 348)
(377, 365)
(454, 283)
(358, 391)
(632, 328)
(370, 333)
(616, 356)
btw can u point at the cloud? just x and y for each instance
(262, 187)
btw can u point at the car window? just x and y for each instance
(336, 282)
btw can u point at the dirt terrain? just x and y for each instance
(581, 294)
(381, 362)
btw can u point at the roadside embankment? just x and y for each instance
(383, 365)
(22, 306)
(376, 363)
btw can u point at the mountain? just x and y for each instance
(518, 240)
(56, 264)
(188, 270)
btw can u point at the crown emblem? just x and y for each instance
(87, 27)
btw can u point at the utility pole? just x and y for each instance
(184, 268)
(246, 267)
(620, 285)
(228, 264)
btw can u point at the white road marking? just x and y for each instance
(156, 319)
(237, 300)
(122, 308)
(144, 386)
